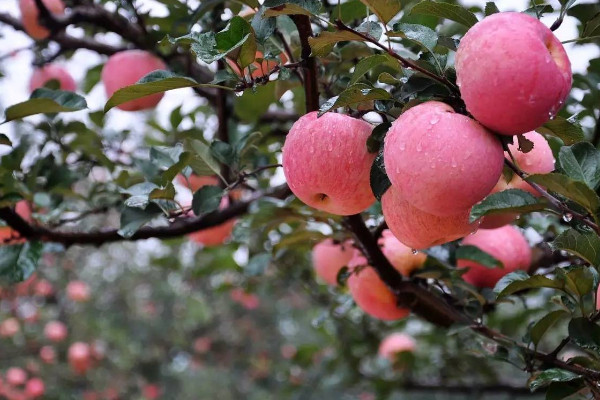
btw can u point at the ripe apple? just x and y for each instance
(78, 291)
(442, 162)
(216, 235)
(43, 288)
(507, 244)
(79, 357)
(50, 72)
(35, 388)
(7, 234)
(195, 182)
(395, 343)
(202, 344)
(326, 163)
(126, 68)
(370, 293)
(151, 391)
(249, 301)
(262, 68)
(16, 376)
(513, 73)
(48, 354)
(30, 14)
(55, 331)
(400, 255)
(9, 327)
(539, 160)
(329, 257)
(418, 229)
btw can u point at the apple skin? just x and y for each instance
(418, 229)
(127, 67)
(507, 244)
(539, 160)
(442, 162)
(55, 331)
(262, 68)
(78, 291)
(395, 343)
(35, 388)
(513, 73)
(327, 165)
(48, 354)
(9, 327)
(371, 294)
(400, 256)
(16, 376)
(329, 257)
(79, 357)
(49, 72)
(249, 301)
(29, 16)
(195, 182)
(216, 235)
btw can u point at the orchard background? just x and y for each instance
(130, 292)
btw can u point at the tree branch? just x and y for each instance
(311, 88)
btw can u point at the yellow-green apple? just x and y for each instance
(49, 72)
(30, 16)
(127, 67)
(329, 257)
(79, 357)
(440, 161)
(370, 293)
(400, 256)
(327, 164)
(55, 331)
(507, 244)
(418, 229)
(78, 291)
(513, 73)
(35, 388)
(395, 343)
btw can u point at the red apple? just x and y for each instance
(329, 257)
(55, 331)
(30, 16)
(52, 72)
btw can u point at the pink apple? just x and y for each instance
(513, 73)
(216, 235)
(48, 354)
(52, 72)
(370, 293)
(395, 343)
(442, 162)
(195, 182)
(152, 391)
(55, 331)
(79, 357)
(16, 376)
(327, 165)
(418, 229)
(539, 160)
(78, 291)
(126, 68)
(202, 344)
(43, 288)
(506, 244)
(9, 327)
(35, 388)
(400, 255)
(329, 257)
(249, 301)
(30, 16)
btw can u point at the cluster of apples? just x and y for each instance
(439, 162)
(16, 385)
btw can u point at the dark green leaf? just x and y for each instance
(4, 140)
(420, 34)
(263, 27)
(578, 280)
(490, 8)
(548, 376)
(223, 152)
(207, 199)
(257, 264)
(585, 334)
(581, 162)
(384, 9)
(520, 280)
(592, 27)
(375, 140)
(354, 94)
(511, 200)
(290, 7)
(562, 390)
(380, 182)
(474, 253)
(366, 64)
(203, 163)
(567, 130)
(323, 44)
(371, 28)
(585, 245)
(44, 101)
(541, 327)
(445, 10)
(18, 262)
(579, 192)
(132, 219)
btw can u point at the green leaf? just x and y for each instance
(510, 200)
(18, 262)
(290, 7)
(323, 44)
(579, 280)
(581, 162)
(490, 8)
(592, 27)
(366, 64)
(154, 82)
(223, 152)
(375, 140)
(207, 199)
(132, 219)
(4, 140)
(541, 327)
(548, 376)
(565, 129)
(44, 101)
(585, 334)
(562, 390)
(420, 34)
(474, 253)
(520, 280)
(354, 94)
(204, 163)
(585, 245)
(445, 10)
(258, 264)
(92, 77)
(384, 9)
(371, 28)
(263, 27)
(379, 180)
(577, 191)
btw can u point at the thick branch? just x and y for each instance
(309, 63)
